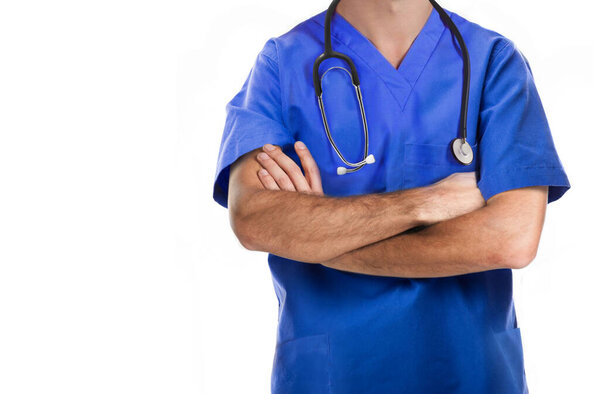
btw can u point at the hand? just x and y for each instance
(279, 172)
(453, 196)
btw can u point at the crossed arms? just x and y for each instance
(276, 208)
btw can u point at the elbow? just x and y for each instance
(245, 237)
(243, 233)
(517, 231)
(242, 228)
(521, 259)
(519, 253)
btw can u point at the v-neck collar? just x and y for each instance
(402, 80)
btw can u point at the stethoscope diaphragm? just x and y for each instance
(462, 151)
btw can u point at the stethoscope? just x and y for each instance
(459, 146)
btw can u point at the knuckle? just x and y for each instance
(282, 180)
(288, 167)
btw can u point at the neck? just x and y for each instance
(391, 25)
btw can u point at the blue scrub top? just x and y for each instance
(342, 332)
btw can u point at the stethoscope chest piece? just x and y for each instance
(462, 151)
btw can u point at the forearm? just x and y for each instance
(315, 228)
(278, 209)
(495, 236)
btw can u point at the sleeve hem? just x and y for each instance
(501, 181)
(221, 184)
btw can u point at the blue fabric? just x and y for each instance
(341, 332)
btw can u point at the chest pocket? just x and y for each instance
(425, 164)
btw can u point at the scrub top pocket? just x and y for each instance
(425, 164)
(302, 366)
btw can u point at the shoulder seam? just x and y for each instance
(497, 53)
(271, 60)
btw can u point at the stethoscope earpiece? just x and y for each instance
(368, 160)
(462, 151)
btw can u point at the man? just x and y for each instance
(396, 277)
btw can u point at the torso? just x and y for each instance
(344, 332)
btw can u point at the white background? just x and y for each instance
(120, 274)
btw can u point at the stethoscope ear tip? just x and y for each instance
(368, 160)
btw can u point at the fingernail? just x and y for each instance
(263, 156)
(300, 145)
(263, 171)
(269, 147)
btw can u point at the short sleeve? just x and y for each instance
(253, 118)
(516, 148)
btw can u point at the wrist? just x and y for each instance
(426, 205)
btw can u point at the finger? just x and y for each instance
(267, 180)
(289, 166)
(311, 170)
(282, 179)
